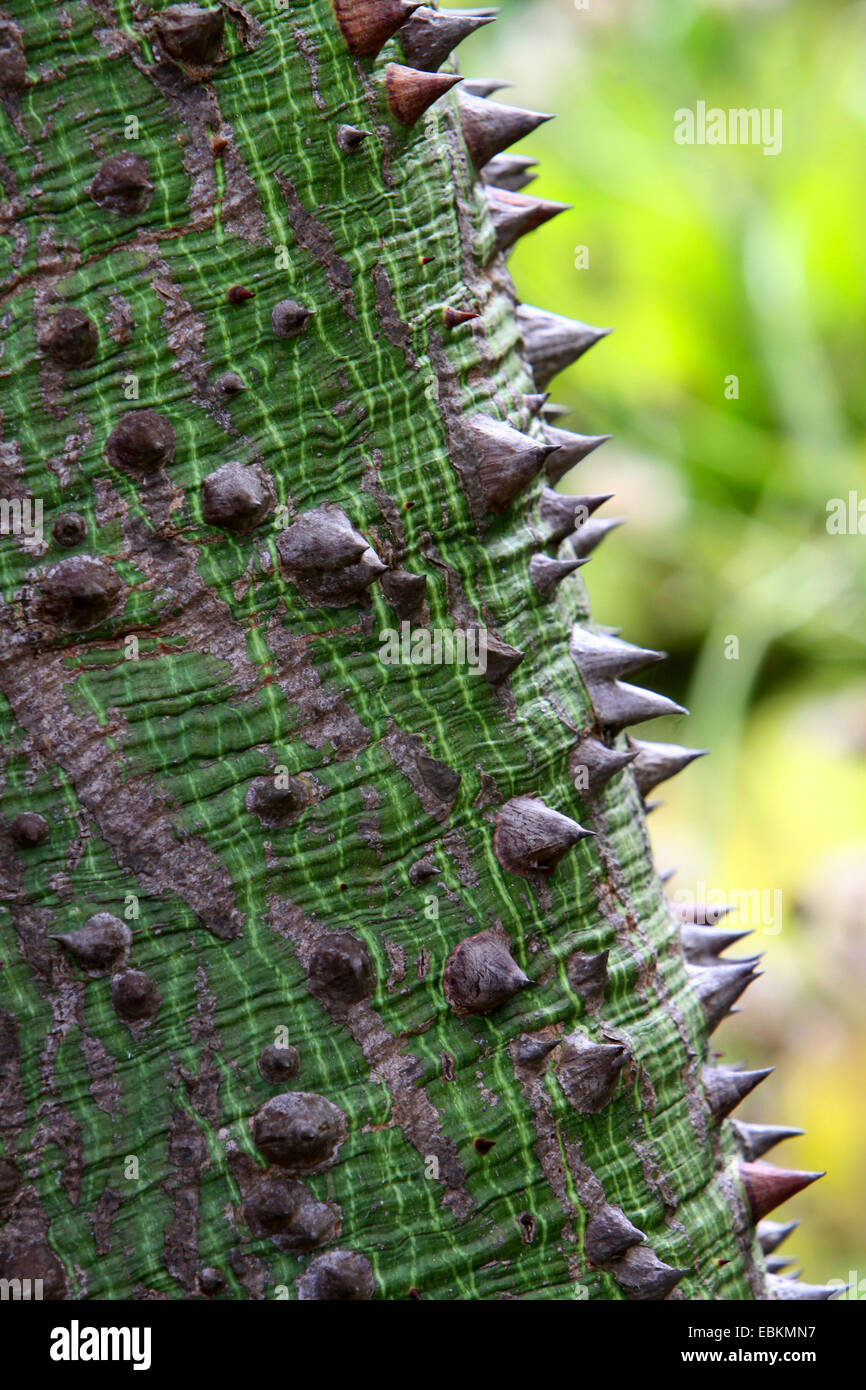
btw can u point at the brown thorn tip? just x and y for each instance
(507, 460)
(771, 1234)
(592, 533)
(410, 92)
(489, 127)
(453, 318)
(571, 449)
(511, 171)
(350, 138)
(481, 974)
(767, 1187)
(719, 986)
(656, 762)
(531, 838)
(756, 1140)
(789, 1288)
(514, 215)
(725, 1088)
(367, 25)
(484, 86)
(430, 36)
(553, 342)
(547, 573)
(566, 512)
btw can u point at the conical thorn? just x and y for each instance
(489, 127)
(571, 450)
(590, 535)
(656, 762)
(767, 1187)
(511, 171)
(531, 838)
(771, 1234)
(547, 574)
(410, 92)
(367, 25)
(515, 214)
(553, 342)
(431, 36)
(725, 1088)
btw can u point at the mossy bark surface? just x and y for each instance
(138, 738)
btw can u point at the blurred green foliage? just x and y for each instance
(715, 262)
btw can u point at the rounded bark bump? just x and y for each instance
(141, 442)
(69, 530)
(134, 996)
(211, 1281)
(341, 1274)
(481, 974)
(279, 1064)
(289, 319)
(69, 338)
(13, 60)
(10, 1182)
(191, 35)
(28, 830)
(271, 1204)
(79, 593)
(100, 946)
(340, 972)
(29, 1258)
(237, 497)
(300, 1131)
(277, 800)
(122, 185)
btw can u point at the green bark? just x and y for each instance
(144, 763)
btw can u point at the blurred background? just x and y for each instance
(713, 263)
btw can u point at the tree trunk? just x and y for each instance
(334, 964)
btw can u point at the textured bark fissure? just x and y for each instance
(318, 239)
